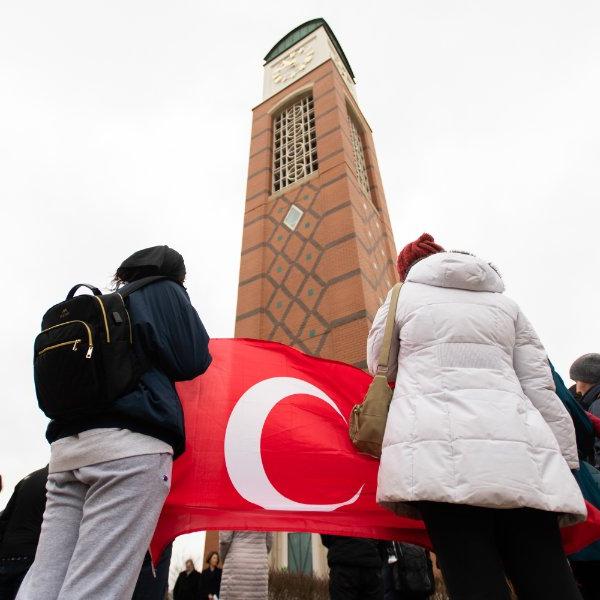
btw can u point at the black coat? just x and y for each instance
(167, 333)
(21, 520)
(354, 552)
(210, 582)
(187, 586)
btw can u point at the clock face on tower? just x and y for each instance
(293, 63)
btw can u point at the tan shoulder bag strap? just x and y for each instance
(386, 346)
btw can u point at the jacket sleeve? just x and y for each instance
(225, 539)
(533, 370)
(375, 341)
(172, 333)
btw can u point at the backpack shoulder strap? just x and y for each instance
(134, 286)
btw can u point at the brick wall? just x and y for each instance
(316, 288)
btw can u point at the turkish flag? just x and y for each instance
(268, 449)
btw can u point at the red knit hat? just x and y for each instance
(411, 253)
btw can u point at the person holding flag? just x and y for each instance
(477, 442)
(110, 465)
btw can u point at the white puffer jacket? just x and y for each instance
(474, 418)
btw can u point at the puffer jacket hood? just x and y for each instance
(457, 270)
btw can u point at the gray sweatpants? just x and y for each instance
(97, 526)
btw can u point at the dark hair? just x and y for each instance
(210, 555)
(123, 276)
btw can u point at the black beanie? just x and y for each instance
(158, 260)
(586, 369)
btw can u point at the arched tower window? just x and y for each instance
(294, 143)
(359, 155)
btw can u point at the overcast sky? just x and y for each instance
(127, 124)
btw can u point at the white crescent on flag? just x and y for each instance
(242, 443)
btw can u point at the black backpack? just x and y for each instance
(413, 573)
(84, 358)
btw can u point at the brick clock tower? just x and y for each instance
(318, 254)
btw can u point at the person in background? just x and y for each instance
(585, 372)
(477, 442)
(187, 586)
(583, 421)
(210, 582)
(110, 469)
(20, 525)
(355, 567)
(245, 564)
(585, 563)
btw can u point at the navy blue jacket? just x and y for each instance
(167, 333)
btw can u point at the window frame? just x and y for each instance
(293, 127)
(357, 141)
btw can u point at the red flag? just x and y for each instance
(268, 449)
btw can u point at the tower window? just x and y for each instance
(294, 143)
(359, 155)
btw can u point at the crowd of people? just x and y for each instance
(483, 442)
(193, 585)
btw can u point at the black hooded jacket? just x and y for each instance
(21, 520)
(187, 586)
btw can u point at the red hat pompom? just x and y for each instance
(411, 253)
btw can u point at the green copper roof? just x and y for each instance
(302, 31)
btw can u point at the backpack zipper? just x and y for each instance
(88, 354)
(53, 347)
(105, 319)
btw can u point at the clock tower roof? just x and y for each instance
(302, 31)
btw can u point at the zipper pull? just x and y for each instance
(75, 345)
(88, 354)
